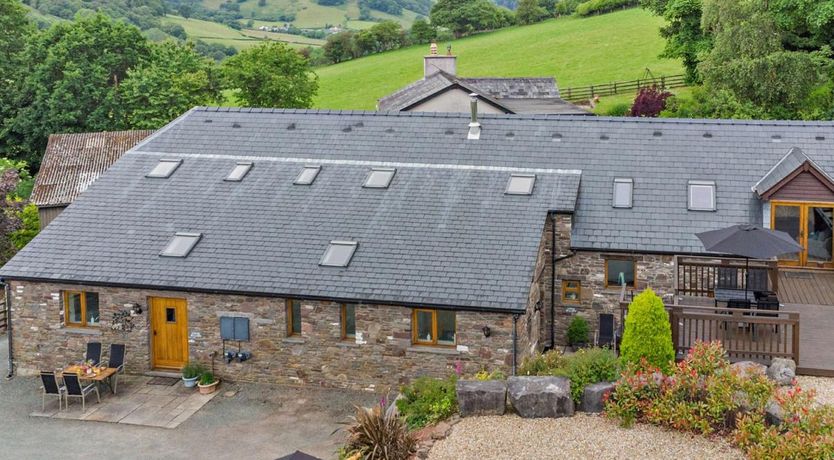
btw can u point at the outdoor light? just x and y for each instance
(136, 309)
(487, 331)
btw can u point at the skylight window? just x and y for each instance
(623, 191)
(701, 195)
(164, 168)
(181, 244)
(339, 253)
(307, 175)
(379, 178)
(239, 171)
(520, 184)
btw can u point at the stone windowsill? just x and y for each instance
(435, 350)
(294, 340)
(80, 331)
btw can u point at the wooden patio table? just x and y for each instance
(106, 376)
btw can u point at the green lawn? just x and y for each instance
(309, 14)
(213, 32)
(577, 51)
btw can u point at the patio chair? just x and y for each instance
(605, 335)
(93, 352)
(75, 390)
(727, 278)
(117, 361)
(51, 388)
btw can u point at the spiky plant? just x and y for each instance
(377, 434)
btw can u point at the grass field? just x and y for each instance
(213, 32)
(309, 14)
(577, 51)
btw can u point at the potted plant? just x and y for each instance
(190, 373)
(578, 333)
(208, 383)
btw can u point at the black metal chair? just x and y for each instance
(606, 335)
(51, 388)
(757, 279)
(75, 390)
(116, 360)
(93, 352)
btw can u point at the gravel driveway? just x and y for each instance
(824, 387)
(579, 437)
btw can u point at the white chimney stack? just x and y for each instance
(433, 62)
(474, 125)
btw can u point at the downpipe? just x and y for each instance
(8, 293)
(515, 341)
(553, 261)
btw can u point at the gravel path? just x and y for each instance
(823, 385)
(579, 437)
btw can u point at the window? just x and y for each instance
(619, 272)
(239, 172)
(701, 195)
(379, 178)
(520, 184)
(181, 244)
(170, 315)
(81, 309)
(571, 291)
(623, 189)
(164, 168)
(433, 327)
(293, 317)
(307, 175)
(348, 321)
(338, 254)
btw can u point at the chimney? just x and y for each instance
(474, 126)
(434, 62)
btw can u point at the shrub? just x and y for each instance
(603, 6)
(379, 434)
(542, 363)
(578, 331)
(650, 102)
(647, 332)
(484, 375)
(428, 401)
(589, 366)
(621, 109)
(207, 378)
(192, 370)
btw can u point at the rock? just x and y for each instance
(487, 397)
(536, 397)
(782, 371)
(593, 398)
(747, 369)
(441, 430)
(774, 414)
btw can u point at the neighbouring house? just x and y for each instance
(72, 162)
(363, 249)
(441, 90)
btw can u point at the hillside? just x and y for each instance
(577, 51)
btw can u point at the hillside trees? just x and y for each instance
(14, 29)
(529, 12)
(464, 17)
(422, 31)
(685, 39)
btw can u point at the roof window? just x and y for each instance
(181, 244)
(239, 172)
(164, 168)
(307, 175)
(338, 254)
(520, 184)
(701, 195)
(379, 178)
(623, 192)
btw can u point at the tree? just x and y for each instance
(648, 334)
(529, 12)
(650, 101)
(422, 32)
(185, 10)
(28, 228)
(172, 80)
(685, 39)
(10, 207)
(466, 16)
(340, 46)
(15, 28)
(271, 75)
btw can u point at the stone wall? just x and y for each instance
(380, 357)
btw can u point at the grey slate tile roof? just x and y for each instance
(73, 161)
(788, 164)
(515, 87)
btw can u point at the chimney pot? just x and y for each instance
(434, 62)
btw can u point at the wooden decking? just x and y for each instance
(806, 287)
(816, 339)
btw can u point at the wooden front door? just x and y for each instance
(812, 227)
(169, 332)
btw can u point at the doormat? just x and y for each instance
(165, 381)
(799, 275)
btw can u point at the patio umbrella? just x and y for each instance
(750, 242)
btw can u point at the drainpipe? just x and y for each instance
(8, 292)
(515, 341)
(553, 260)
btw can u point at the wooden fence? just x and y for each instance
(584, 93)
(699, 276)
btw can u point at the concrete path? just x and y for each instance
(256, 422)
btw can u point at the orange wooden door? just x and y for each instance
(169, 332)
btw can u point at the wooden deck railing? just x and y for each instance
(699, 276)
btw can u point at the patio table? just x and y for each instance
(724, 295)
(105, 376)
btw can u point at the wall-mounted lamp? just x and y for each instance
(135, 309)
(538, 306)
(487, 331)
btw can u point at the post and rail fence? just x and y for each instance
(584, 93)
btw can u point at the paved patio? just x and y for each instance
(137, 403)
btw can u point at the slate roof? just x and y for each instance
(788, 164)
(73, 161)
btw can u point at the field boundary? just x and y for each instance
(583, 93)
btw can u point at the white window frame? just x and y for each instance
(623, 180)
(692, 185)
(513, 177)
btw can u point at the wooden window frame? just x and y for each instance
(577, 290)
(290, 332)
(633, 269)
(83, 297)
(345, 335)
(433, 342)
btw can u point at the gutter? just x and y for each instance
(8, 293)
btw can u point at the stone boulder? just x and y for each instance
(487, 397)
(593, 398)
(782, 371)
(748, 369)
(536, 397)
(774, 413)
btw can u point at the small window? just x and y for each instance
(170, 315)
(433, 327)
(701, 195)
(164, 168)
(293, 317)
(348, 321)
(520, 184)
(181, 244)
(379, 178)
(571, 291)
(339, 253)
(239, 172)
(81, 309)
(619, 272)
(307, 175)
(623, 190)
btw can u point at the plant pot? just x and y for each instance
(208, 389)
(189, 383)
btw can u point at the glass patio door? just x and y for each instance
(788, 218)
(812, 226)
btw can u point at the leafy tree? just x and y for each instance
(14, 30)
(385, 36)
(648, 334)
(185, 10)
(422, 31)
(340, 46)
(10, 207)
(172, 80)
(28, 228)
(650, 101)
(271, 75)
(466, 16)
(685, 39)
(529, 11)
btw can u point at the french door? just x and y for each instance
(810, 224)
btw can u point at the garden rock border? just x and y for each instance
(782, 371)
(477, 397)
(593, 397)
(535, 397)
